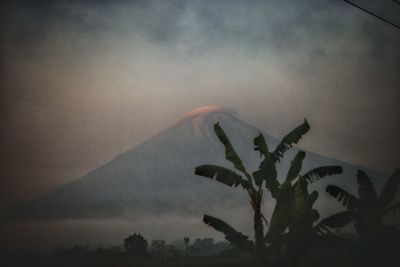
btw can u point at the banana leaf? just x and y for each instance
(321, 172)
(231, 234)
(230, 153)
(287, 142)
(222, 175)
(344, 197)
(390, 190)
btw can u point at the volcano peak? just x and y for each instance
(203, 110)
(200, 119)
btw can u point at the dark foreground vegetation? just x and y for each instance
(100, 259)
(332, 251)
(294, 236)
(135, 252)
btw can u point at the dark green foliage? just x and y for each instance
(321, 172)
(230, 153)
(136, 245)
(232, 179)
(261, 146)
(391, 210)
(302, 215)
(294, 204)
(295, 166)
(390, 190)
(312, 198)
(366, 189)
(84, 256)
(222, 175)
(267, 170)
(293, 210)
(335, 221)
(281, 215)
(287, 142)
(231, 234)
(344, 197)
(380, 249)
(368, 209)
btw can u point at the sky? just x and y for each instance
(83, 81)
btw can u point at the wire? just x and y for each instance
(376, 16)
(397, 2)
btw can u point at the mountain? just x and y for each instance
(157, 176)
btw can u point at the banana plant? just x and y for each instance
(253, 184)
(247, 182)
(368, 210)
(293, 209)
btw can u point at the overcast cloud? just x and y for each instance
(85, 81)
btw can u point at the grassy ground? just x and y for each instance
(209, 261)
(99, 260)
(382, 250)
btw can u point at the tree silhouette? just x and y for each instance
(136, 245)
(368, 210)
(187, 240)
(293, 202)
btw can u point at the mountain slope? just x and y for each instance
(157, 176)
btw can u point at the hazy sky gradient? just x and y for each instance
(83, 81)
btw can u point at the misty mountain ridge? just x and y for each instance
(157, 176)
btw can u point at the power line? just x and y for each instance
(376, 16)
(397, 2)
